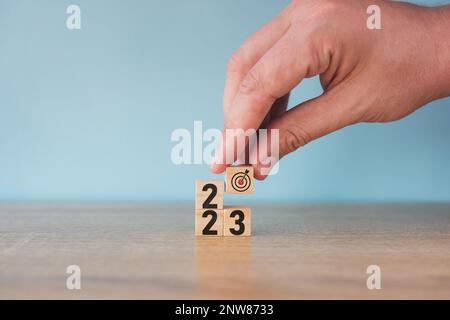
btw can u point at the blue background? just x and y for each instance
(87, 115)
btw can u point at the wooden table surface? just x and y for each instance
(296, 252)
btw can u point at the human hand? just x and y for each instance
(367, 75)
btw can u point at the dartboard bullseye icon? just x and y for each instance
(241, 181)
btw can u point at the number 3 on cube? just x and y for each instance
(237, 221)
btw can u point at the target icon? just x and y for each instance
(241, 181)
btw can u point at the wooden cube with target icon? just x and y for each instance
(239, 180)
(237, 221)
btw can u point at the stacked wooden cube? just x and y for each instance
(212, 218)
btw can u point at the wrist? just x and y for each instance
(440, 32)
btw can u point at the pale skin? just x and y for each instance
(367, 75)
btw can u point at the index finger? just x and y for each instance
(274, 75)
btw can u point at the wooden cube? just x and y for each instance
(209, 223)
(209, 194)
(237, 221)
(239, 180)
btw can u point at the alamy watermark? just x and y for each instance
(73, 21)
(374, 19)
(241, 147)
(374, 279)
(73, 281)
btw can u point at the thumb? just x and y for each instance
(309, 121)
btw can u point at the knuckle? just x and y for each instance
(235, 64)
(295, 138)
(252, 82)
(327, 8)
(319, 10)
(255, 83)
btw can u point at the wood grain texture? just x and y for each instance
(296, 252)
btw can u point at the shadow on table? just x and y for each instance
(224, 267)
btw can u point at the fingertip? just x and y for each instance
(258, 175)
(268, 167)
(217, 168)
